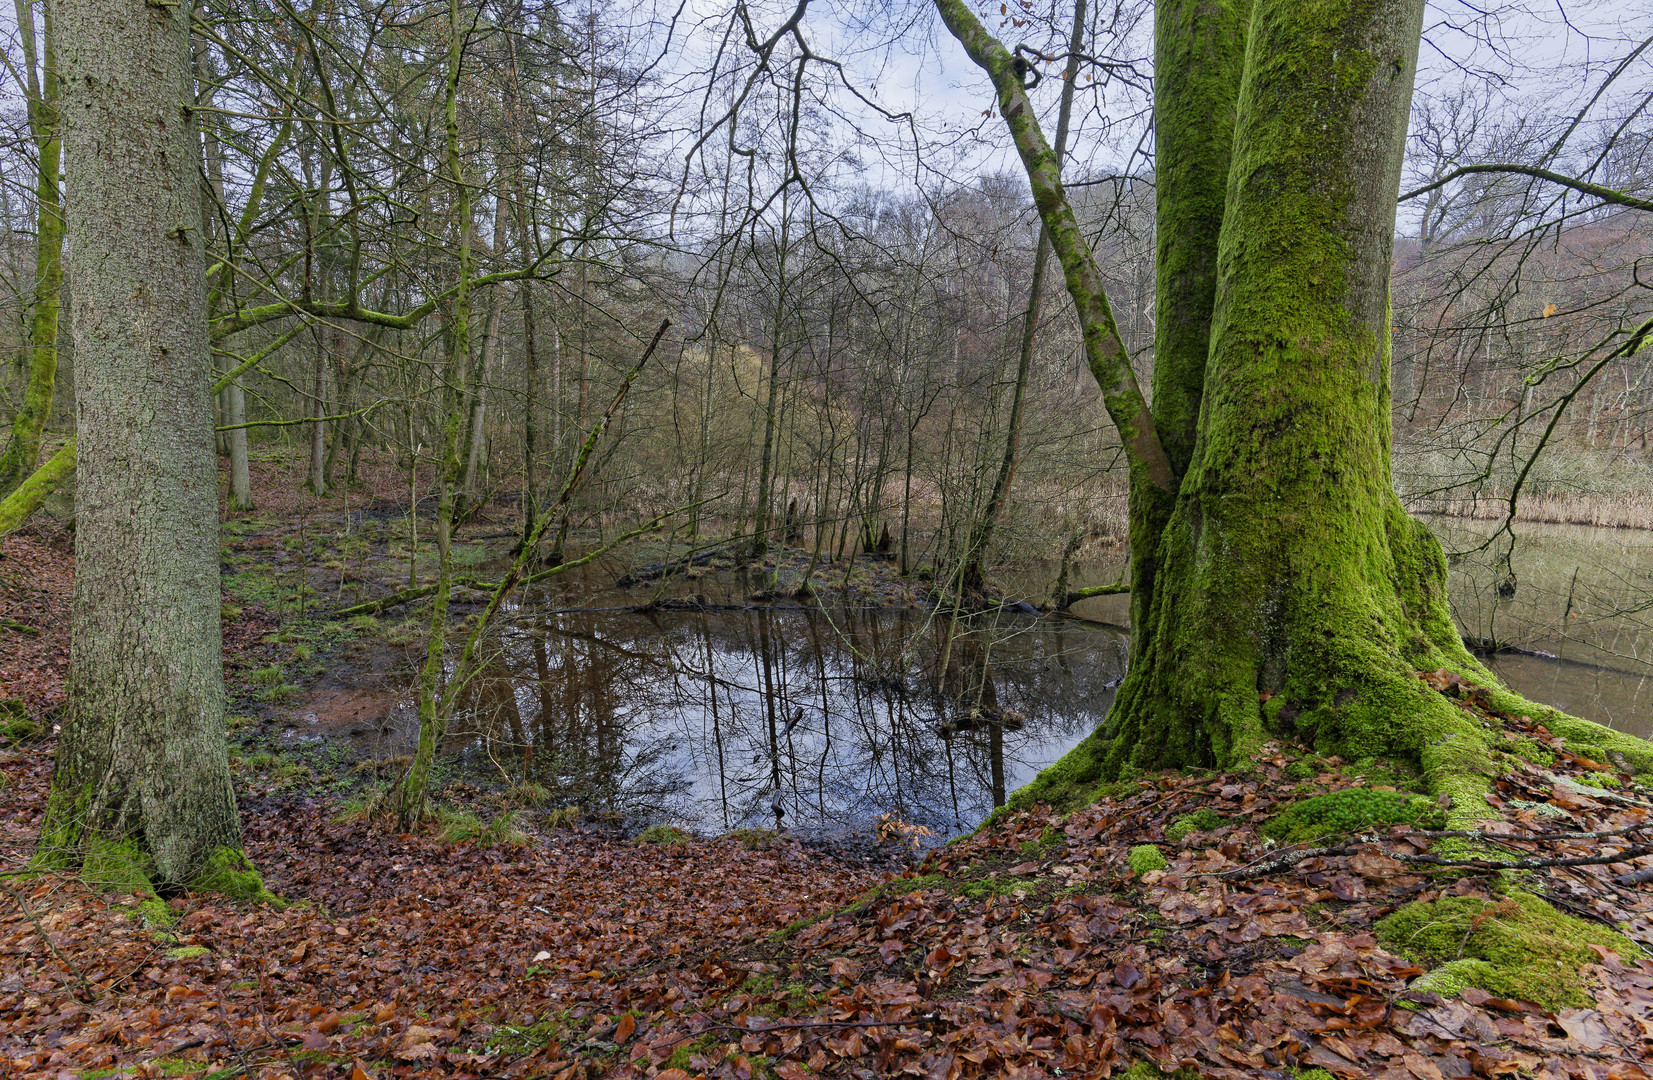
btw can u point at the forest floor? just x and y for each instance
(1153, 927)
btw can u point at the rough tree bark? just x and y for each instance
(141, 764)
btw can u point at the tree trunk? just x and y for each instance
(317, 480)
(23, 450)
(141, 761)
(407, 797)
(235, 414)
(981, 540)
(1288, 591)
(1289, 570)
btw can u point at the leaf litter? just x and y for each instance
(1029, 949)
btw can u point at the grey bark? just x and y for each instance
(142, 752)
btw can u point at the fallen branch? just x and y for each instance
(1288, 859)
(1534, 837)
(1282, 861)
(407, 596)
(1530, 864)
(1075, 595)
(669, 567)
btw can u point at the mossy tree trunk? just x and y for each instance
(141, 761)
(1293, 592)
(1278, 586)
(408, 797)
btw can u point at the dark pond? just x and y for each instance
(716, 719)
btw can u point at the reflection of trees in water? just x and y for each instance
(733, 719)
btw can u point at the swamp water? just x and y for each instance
(717, 716)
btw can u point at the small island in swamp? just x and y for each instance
(559, 541)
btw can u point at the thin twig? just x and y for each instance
(85, 986)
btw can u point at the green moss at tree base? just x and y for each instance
(229, 872)
(1526, 949)
(117, 866)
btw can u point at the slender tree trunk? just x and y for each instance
(407, 798)
(29, 424)
(479, 410)
(1153, 485)
(976, 551)
(235, 413)
(141, 760)
(318, 426)
(233, 397)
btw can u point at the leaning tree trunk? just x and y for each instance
(141, 764)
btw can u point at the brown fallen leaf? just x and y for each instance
(418, 1036)
(1585, 1027)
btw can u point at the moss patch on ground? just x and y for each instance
(1144, 858)
(1525, 948)
(1202, 820)
(1351, 810)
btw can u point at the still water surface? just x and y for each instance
(818, 718)
(822, 718)
(1581, 595)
